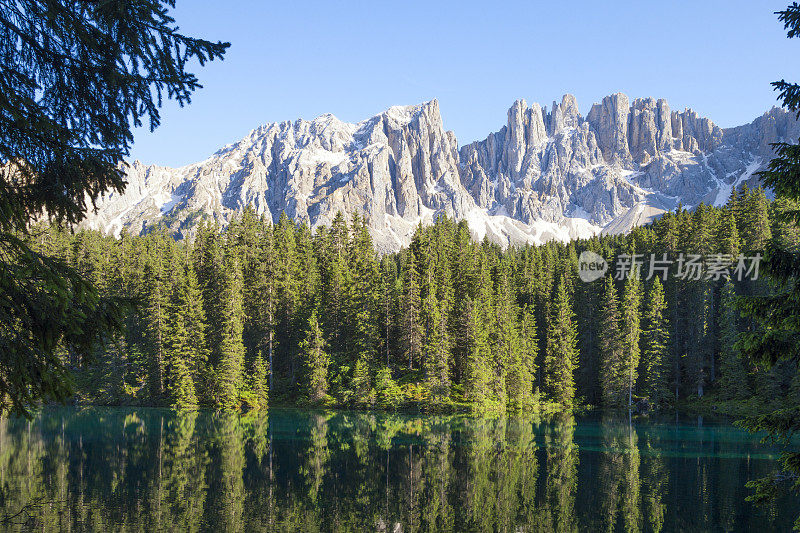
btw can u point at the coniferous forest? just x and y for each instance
(260, 313)
(224, 329)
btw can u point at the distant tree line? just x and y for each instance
(266, 312)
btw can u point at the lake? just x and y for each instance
(143, 469)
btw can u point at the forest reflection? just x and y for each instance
(292, 470)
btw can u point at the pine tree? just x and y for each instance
(316, 359)
(655, 337)
(562, 348)
(612, 377)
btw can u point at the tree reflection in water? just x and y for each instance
(291, 470)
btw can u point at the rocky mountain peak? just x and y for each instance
(542, 175)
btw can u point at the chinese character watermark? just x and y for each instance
(690, 267)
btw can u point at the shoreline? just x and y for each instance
(706, 407)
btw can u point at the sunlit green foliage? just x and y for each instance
(261, 313)
(76, 79)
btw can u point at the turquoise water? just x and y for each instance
(121, 469)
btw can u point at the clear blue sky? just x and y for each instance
(300, 59)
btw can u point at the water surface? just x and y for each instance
(126, 469)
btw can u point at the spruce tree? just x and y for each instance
(308, 270)
(777, 315)
(701, 230)
(196, 325)
(157, 287)
(785, 233)
(288, 299)
(511, 369)
(249, 239)
(476, 315)
(756, 232)
(316, 359)
(335, 283)
(476, 386)
(308, 281)
(363, 297)
(733, 380)
(360, 383)
(208, 258)
(184, 337)
(697, 342)
(230, 351)
(259, 384)
(695, 329)
(545, 266)
(464, 285)
(631, 332)
(522, 362)
(655, 341)
(562, 348)
(612, 376)
(727, 237)
(435, 349)
(389, 294)
(266, 304)
(587, 303)
(410, 310)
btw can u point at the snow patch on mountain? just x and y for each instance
(725, 189)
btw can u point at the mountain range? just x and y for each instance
(546, 174)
